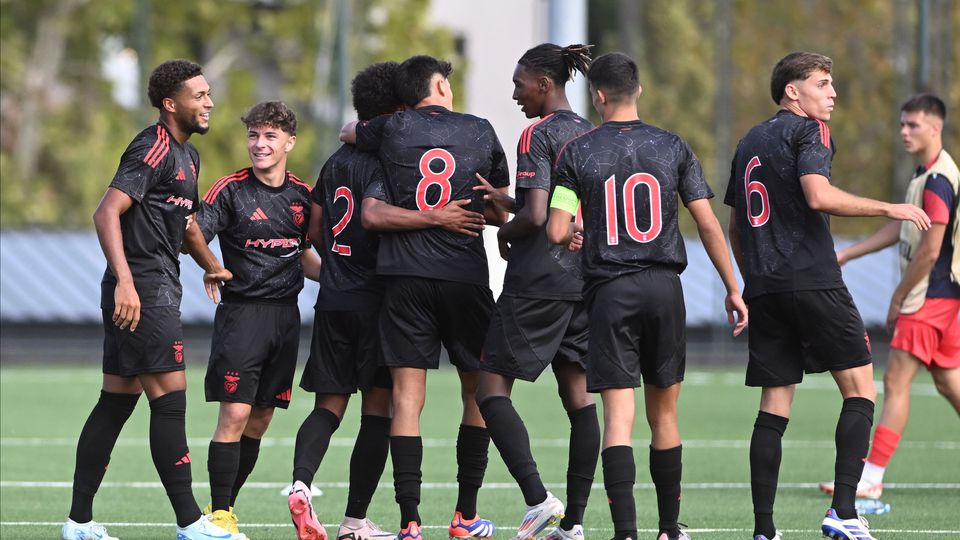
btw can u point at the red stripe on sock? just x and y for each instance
(885, 441)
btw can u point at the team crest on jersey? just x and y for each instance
(297, 208)
(230, 381)
(193, 169)
(178, 352)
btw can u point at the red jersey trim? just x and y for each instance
(293, 178)
(159, 149)
(527, 136)
(824, 133)
(564, 147)
(218, 186)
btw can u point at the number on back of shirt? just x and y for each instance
(634, 182)
(440, 179)
(756, 187)
(344, 193)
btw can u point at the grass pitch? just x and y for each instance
(43, 409)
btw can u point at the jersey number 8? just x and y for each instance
(630, 208)
(429, 178)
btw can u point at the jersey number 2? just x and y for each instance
(630, 208)
(345, 193)
(756, 186)
(429, 178)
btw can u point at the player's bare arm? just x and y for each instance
(823, 196)
(377, 215)
(559, 229)
(106, 220)
(529, 219)
(711, 234)
(496, 196)
(920, 266)
(311, 264)
(886, 236)
(214, 274)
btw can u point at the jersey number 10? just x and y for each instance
(630, 208)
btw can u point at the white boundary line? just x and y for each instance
(10, 484)
(594, 529)
(452, 442)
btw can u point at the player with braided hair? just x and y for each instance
(540, 320)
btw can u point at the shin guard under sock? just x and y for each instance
(512, 441)
(171, 456)
(852, 439)
(581, 463)
(407, 455)
(666, 468)
(619, 476)
(367, 462)
(94, 447)
(313, 439)
(765, 454)
(223, 460)
(472, 445)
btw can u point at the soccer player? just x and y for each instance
(628, 176)
(140, 223)
(803, 318)
(438, 289)
(539, 319)
(345, 351)
(925, 308)
(260, 214)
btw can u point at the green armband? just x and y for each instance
(565, 199)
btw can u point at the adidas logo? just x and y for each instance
(184, 460)
(284, 396)
(180, 175)
(258, 215)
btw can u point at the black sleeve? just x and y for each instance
(533, 161)
(370, 133)
(216, 215)
(374, 183)
(814, 152)
(730, 198)
(144, 164)
(692, 184)
(565, 170)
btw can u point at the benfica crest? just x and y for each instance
(297, 208)
(178, 352)
(230, 381)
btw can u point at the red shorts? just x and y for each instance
(932, 334)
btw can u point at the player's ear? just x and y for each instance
(169, 105)
(544, 84)
(791, 91)
(639, 89)
(601, 96)
(291, 142)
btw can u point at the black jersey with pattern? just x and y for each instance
(628, 176)
(430, 156)
(786, 245)
(537, 268)
(262, 231)
(160, 175)
(348, 280)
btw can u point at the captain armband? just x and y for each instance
(565, 199)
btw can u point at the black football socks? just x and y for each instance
(97, 439)
(407, 456)
(511, 439)
(665, 470)
(367, 462)
(765, 454)
(581, 463)
(223, 460)
(171, 456)
(313, 439)
(853, 442)
(249, 452)
(619, 476)
(472, 445)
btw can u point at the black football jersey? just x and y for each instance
(627, 176)
(348, 280)
(430, 156)
(262, 231)
(160, 175)
(538, 268)
(786, 245)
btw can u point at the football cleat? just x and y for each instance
(225, 519)
(774, 537)
(462, 529)
(204, 529)
(864, 490)
(365, 530)
(576, 533)
(537, 518)
(682, 536)
(845, 529)
(411, 532)
(90, 530)
(302, 514)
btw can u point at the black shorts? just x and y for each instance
(253, 354)
(155, 347)
(344, 354)
(419, 314)
(637, 325)
(792, 333)
(528, 334)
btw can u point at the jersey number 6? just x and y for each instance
(630, 208)
(755, 186)
(429, 178)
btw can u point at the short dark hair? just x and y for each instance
(926, 103)
(275, 114)
(796, 66)
(616, 74)
(558, 63)
(412, 83)
(373, 92)
(167, 79)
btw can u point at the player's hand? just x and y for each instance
(190, 221)
(893, 312)
(500, 199)
(576, 237)
(213, 281)
(126, 301)
(504, 248)
(842, 257)
(734, 304)
(455, 218)
(909, 212)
